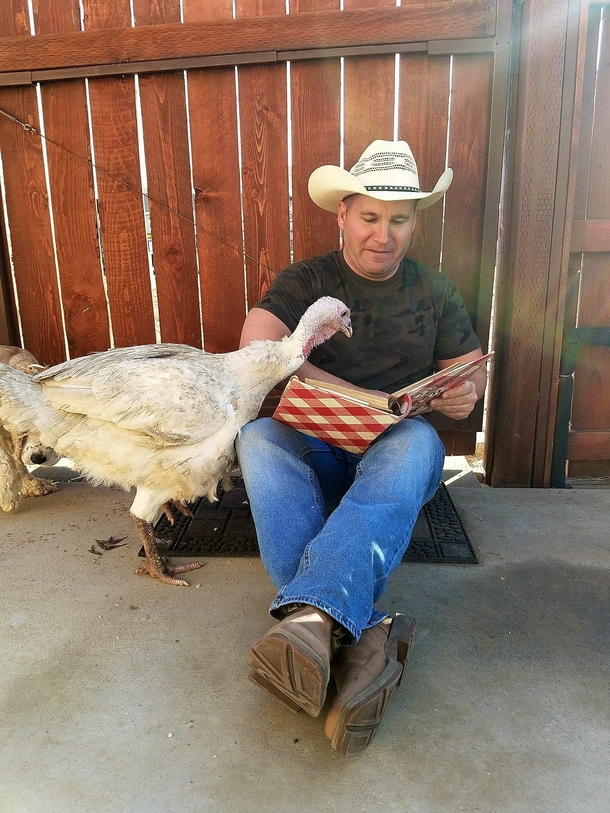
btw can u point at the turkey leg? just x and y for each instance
(154, 564)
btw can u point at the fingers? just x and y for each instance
(458, 402)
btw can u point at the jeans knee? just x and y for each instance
(425, 434)
(412, 447)
(414, 435)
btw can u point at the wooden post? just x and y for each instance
(532, 273)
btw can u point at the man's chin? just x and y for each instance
(382, 268)
(373, 266)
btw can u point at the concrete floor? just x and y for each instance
(122, 695)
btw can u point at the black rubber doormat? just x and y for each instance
(226, 528)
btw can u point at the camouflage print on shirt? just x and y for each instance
(401, 325)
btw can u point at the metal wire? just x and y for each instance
(98, 168)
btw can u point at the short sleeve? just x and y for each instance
(291, 293)
(455, 335)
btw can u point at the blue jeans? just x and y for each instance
(331, 525)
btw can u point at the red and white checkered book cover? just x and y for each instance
(344, 421)
(336, 419)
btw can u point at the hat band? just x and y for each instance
(392, 189)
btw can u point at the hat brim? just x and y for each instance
(329, 184)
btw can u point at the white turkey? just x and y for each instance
(162, 418)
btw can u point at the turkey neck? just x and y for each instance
(259, 367)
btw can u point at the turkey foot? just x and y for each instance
(36, 486)
(154, 564)
(165, 573)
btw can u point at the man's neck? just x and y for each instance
(364, 276)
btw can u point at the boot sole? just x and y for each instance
(290, 670)
(360, 718)
(261, 681)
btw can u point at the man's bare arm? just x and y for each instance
(456, 403)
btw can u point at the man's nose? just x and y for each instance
(382, 232)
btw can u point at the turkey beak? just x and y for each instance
(346, 326)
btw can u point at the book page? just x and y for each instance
(421, 392)
(412, 400)
(375, 401)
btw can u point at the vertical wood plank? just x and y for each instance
(423, 109)
(591, 402)
(214, 140)
(9, 332)
(264, 140)
(122, 225)
(585, 129)
(316, 134)
(168, 172)
(525, 269)
(598, 203)
(464, 214)
(28, 211)
(72, 195)
(368, 95)
(468, 151)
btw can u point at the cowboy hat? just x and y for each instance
(386, 170)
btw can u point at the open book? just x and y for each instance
(352, 419)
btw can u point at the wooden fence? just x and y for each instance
(588, 303)
(553, 259)
(221, 120)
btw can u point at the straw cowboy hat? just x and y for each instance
(386, 170)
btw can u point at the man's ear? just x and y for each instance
(341, 210)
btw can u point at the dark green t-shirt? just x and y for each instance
(401, 325)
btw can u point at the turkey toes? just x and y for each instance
(37, 487)
(149, 567)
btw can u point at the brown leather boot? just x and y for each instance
(366, 675)
(292, 661)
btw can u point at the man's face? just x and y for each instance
(376, 234)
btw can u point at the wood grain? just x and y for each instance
(316, 107)
(73, 197)
(589, 445)
(523, 282)
(168, 172)
(215, 156)
(121, 211)
(368, 95)
(468, 150)
(590, 235)
(423, 111)
(264, 142)
(27, 204)
(591, 399)
(106, 40)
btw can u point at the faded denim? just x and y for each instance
(331, 525)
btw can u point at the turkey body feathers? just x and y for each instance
(163, 418)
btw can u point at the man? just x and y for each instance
(332, 525)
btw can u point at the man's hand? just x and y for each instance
(458, 402)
